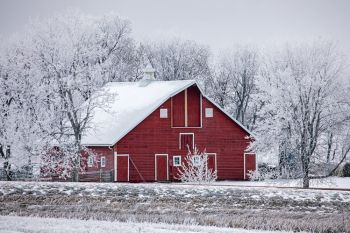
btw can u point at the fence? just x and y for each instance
(98, 176)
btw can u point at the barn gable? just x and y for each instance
(135, 101)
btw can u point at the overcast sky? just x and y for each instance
(219, 23)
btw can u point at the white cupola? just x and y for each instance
(148, 76)
(148, 73)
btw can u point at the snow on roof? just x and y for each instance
(133, 102)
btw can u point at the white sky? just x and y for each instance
(219, 24)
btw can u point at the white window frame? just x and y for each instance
(90, 161)
(174, 159)
(186, 134)
(155, 166)
(209, 112)
(195, 160)
(103, 161)
(163, 113)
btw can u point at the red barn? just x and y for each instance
(143, 133)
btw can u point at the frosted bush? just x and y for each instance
(195, 168)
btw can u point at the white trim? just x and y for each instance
(177, 156)
(215, 158)
(226, 113)
(209, 112)
(201, 108)
(155, 165)
(163, 113)
(159, 104)
(95, 145)
(103, 158)
(244, 166)
(90, 161)
(201, 114)
(116, 165)
(191, 127)
(186, 109)
(186, 134)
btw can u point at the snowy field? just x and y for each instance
(221, 205)
(331, 182)
(15, 224)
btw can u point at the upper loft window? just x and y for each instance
(186, 141)
(163, 113)
(186, 108)
(209, 112)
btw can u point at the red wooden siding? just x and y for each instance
(250, 160)
(161, 166)
(178, 110)
(186, 141)
(218, 135)
(122, 168)
(211, 162)
(100, 151)
(193, 107)
(154, 135)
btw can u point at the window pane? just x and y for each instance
(208, 112)
(163, 113)
(103, 161)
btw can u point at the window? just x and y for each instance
(177, 160)
(196, 160)
(163, 113)
(90, 161)
(186, 141)
(103, 161)
(208, 112)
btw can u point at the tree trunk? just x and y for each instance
(305, 167)
(7, 168)
(75, 174)
(306, 182)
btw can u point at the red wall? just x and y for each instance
(155, 135)
(194, 110)
(178, 110)
(100, 151)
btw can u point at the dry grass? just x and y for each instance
(231, 207)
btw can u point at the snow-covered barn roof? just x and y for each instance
(132, 103)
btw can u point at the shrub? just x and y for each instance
(345, 170)
(195, 168)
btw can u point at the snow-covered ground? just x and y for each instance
(221, 204)
(330, 182)
(15, 224)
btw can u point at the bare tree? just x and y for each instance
(233, 84)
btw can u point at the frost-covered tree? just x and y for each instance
(52, 72)
(195, 168)
(233, 86)
(178, 59)
(306, 107)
